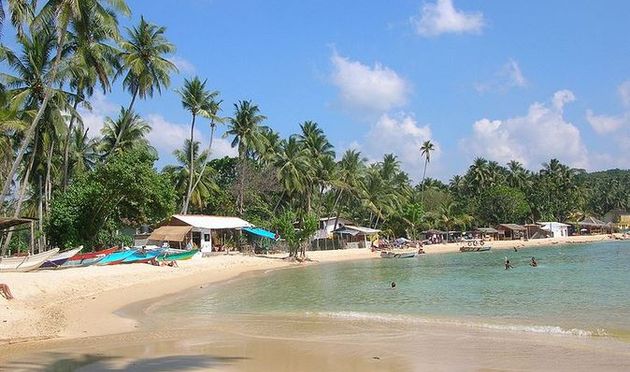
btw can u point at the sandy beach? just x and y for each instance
(64, 305)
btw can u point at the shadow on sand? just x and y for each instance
(60, 362)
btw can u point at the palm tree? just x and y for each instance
(425, 151)
(179, 174)
(63, 13)
(144, 64)
(351, 170)
(293, 167)
(199, 101)
(83, 153)
(125, 132)
(21, 12)
(246, 128)
(93, 60)
(315, 143)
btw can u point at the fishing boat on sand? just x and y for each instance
(26, 263)
(475, 248)
(178, 256)
(142, 257)
(115, 258)
(390, 254)
(61, 258)
(87, 259)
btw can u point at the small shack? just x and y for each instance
(200, 229)
(511, 231)
(592, 225)
(557, 229)
(486, 233)
(9, 225)
(357, 236)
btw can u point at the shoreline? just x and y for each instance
(79, 302)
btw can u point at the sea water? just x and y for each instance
(577, 289)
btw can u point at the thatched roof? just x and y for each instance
(511, 226)
(592, 222)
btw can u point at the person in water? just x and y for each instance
(533, 262)
(393, 285)
(508, 265)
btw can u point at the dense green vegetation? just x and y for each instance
(85, 188)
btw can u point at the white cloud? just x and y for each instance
(442, 17)
(94, 119)
(508, 76)
(361, 87)
(624, 92)
(541, 134)
(167, 136)
(561, 98)
(183, 65)
(603, 124)
(401, 135)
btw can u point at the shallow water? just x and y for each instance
(576, 289)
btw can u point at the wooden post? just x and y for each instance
(32, 245)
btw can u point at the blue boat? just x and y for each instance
(142, 257)
(115, 258)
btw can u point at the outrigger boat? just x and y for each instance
(398, 255)
(115, 258)
(178, 256)
(87, 259)
(61, 258)
(475, 248)
(142, 257)
(26, 263)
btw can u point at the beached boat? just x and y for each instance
(26, 263)
(87, 259)
(484, 248)
(60, 258)
(398, 255)
(142, 257)
(179, 256)
(116, 257)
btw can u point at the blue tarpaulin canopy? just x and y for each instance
(260, 232)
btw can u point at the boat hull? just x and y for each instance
(139, 257)
(115, 258)
(474, 249)
(26, 263)
(178, 256)
(60, 259)
(398, 255)
(87, 259)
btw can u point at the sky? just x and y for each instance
(523, 80)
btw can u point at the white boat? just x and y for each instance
(26, 263)
(61, 258)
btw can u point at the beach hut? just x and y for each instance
(592, 225)
(557, 229)
(487, 233)
(511, 231)
(198, 228)
(357, 236)
(9, 225)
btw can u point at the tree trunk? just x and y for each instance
(124, 122)
(66, 147)
(338, 211)
(203, 167)
(48, 178)
(31, 130)
(40, 214)
(424, 173)
(191, 167)
(18, 207)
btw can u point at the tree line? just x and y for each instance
(85, 187)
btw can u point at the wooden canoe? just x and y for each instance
(26, 263)
(90, 258)
(483, 248)
(116, 257)
(61, 258)
(140, 257)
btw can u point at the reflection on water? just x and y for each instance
(576, 289)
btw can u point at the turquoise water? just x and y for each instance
(576, 289)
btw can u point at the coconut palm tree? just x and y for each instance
(350, 178)
(198, 101)
(127, 131)
(246, 127)
(293, 167)
(425, 151)
(93, 60)
(179, 174)
(315, 143)
(144, 62)
(58, 14)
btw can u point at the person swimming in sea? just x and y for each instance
(393, 285)
(533, 262)
(508, 265)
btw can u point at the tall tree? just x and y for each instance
(125, 132)
(199, 102)
(61, 13)
(144, 62)
(425, 151)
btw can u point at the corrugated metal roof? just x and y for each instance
(213, 222)
(348, 229)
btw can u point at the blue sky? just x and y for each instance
(525, 80)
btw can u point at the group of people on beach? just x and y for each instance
(508, 265)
